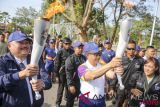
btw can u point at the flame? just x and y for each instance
(54, 8)
(128, 4)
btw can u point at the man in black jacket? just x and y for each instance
(71, 65)
(131, 64)
(59, 68)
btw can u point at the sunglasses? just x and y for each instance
(67, 43)
(131, 49)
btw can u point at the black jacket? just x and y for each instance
(71, 65)
(151, 91)
(59, 64)
(130, 67)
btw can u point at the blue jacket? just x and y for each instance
(13, 91)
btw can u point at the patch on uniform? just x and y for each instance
(137, 65)
(157, 86)
(10, 69)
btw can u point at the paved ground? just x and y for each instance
(50, 97)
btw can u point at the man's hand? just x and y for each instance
(29, 71)
(111, 93)
(119, 70)
(115, 62)
(72, 89)
(136, 92)
(37, 85)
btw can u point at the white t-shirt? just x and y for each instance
(94, 87)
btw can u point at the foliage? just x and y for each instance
(4, 17)
(25, 18)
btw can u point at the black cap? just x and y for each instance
(67, 40)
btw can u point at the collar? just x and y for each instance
(132, 58)
(20, 61)
(10, 57)
(91, 66)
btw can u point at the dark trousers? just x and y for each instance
(121, 96)
(71, 97)
(62, 84)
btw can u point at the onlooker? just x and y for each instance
(6, 33)
(142, 53)
(107, 53)
(138, 49)
(150, 52)
(71, 66)
(145, 86)
(49, 56)
(3, 45)
(59, 68)
(131, 64)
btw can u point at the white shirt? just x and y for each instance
(94, 87)
(27, 79)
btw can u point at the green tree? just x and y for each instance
(25, 18)
(4, 17)
(80, 13)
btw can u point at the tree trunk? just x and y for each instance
(114, 32)
(104, 26)
(83, 36)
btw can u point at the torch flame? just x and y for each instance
(128, 4)
(54, 8)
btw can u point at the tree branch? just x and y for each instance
(102, 10)
(85, 19)
(106, 5)
(72, 10)
(86, 9)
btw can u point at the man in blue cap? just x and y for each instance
(92, 77)
(71, 66)
(107, 53)
(15, 74)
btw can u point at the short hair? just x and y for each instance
(150, 47)
(155, 62)
(132, 42)
(2, 34)
(59, 36)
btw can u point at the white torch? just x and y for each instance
(41, 27)
(125, 27)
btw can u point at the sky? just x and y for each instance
(10, 6)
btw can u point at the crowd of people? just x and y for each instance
(84, 71)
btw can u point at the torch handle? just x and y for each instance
(121, 87)
(37, 94)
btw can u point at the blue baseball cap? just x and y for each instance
(77, 44)
(107, 56)
(107, 42)
(17, 36)
(138, 48)
(52, 41)
(90, 47)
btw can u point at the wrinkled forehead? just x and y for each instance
(131, 45)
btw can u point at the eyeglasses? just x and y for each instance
(131, 49)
